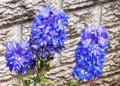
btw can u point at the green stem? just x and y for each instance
(35, 82)
(34, 79)
(22, 79)
(39, 72)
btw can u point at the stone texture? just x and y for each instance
(15, 19)
(26, 30)
(69, 5)
(17, 11)
(55, 4)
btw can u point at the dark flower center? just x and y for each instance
(94, 38)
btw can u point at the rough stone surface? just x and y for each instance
(15, 19)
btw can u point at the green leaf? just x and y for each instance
(47, 67)
(41, 63)
(76, 83)
(26, 83)
(38, 65)
(37, 79)
(14, 85)
(29, 77)
(48, 58)
(45, 80)
(69, 83)
(29, 68)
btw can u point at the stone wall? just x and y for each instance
(16, 16)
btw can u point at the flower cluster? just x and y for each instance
(47, 38)
(19, 57)
(90, 53)
(48, 32)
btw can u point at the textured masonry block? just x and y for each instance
(15, 19)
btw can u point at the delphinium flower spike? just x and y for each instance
(48, 32)
(90, 53)
(19, 57)
(47, 38)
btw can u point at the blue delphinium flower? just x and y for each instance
(90, 53)
(48, 32)
(19, 57)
